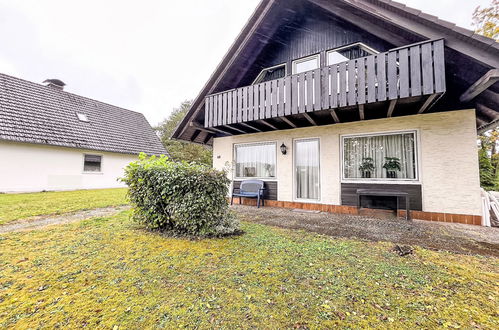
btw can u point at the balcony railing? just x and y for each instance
(411, 71)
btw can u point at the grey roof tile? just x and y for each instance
(483, 39)
(495, 46)
(434, 19)
(35, 113)
(463, 31)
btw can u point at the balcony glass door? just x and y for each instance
(307, 173)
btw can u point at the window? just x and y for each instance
(267, 74)
(380, 157)
(335, 58)
(82, 117)
(92, 163)
(257, 160)
(346, 53)
(306, 64)
(350, 52)
(307, 177)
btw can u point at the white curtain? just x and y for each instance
(307, 169)
(255, 160)
(401, 146)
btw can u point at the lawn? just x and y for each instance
(20, 206)
(109, 273)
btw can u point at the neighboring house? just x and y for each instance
(314, 95)
(54, 140)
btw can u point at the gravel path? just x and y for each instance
(43, 221)
(452, 237)
(433, 235)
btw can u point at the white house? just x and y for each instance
(54, 140)
(343, 104)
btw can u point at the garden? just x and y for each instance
(181, 258)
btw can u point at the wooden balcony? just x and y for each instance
(415, 73)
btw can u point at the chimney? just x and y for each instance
(55, 83)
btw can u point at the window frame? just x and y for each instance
(234, 154)
(305, 59)
(295, 198)
(260, 75)
(360, 44)
(417, 155)
(101, 164)
(82, 117)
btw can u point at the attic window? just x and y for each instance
(349, 52)
(306, 64)
(82, 117)
(267, 74)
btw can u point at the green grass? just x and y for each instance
(20, 206)
(109, 273)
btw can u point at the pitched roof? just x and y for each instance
(387, 19)
(477, 46)
(34, 113)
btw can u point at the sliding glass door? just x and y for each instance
(307, 173)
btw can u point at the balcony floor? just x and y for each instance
(378, 110)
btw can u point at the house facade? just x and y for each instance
(321, 99)
(54, 140)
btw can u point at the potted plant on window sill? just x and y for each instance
(268, 170)
(367, 167)
(392, 166)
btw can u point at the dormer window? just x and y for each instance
(306, 64)
(335, 58)
(82, 117)
(272, 73)
(349, 52)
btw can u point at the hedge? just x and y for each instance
(179, 197)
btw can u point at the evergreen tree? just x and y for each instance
(487, 175)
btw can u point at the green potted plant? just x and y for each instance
(392, 166)
(367, 167)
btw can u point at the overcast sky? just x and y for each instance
(146, 56)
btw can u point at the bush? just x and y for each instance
(179, 197)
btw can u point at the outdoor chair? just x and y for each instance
(250, 189)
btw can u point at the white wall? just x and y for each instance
(31, 167)
(449, 172)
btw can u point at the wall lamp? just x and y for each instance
(284, 149)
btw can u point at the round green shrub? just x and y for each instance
(179, 197)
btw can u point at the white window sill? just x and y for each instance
(94, 173)
(263, 179)
(309, 201)
(382, 181)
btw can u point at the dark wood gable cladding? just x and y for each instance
(309, 30)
